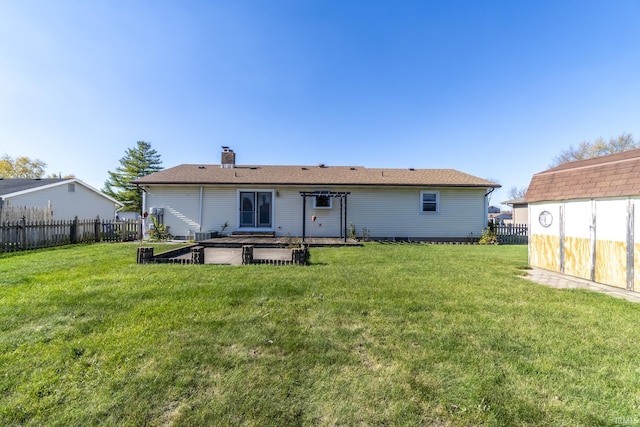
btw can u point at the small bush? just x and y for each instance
(489, 237)
(159, 232)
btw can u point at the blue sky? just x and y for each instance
(495, 89)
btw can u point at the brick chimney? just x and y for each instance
(228, 158)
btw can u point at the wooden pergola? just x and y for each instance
(342, 195)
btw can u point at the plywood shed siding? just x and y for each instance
(544, 242)
(592, 239)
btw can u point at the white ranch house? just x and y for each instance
(317, 201)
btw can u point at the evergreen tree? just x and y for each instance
(137, 162)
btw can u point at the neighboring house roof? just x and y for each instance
(513, 202)
(501, 215)
(14, 185)
(313, 175)
(11, 187)
(614, 175)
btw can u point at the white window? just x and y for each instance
(322, 201)
(429, 201)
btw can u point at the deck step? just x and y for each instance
(253, 234)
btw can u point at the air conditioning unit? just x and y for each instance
(202, 236)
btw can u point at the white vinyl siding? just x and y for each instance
(288, 212)
(386, 212)
(383, 211)
(219, 207)
(182, 208)
(83, 202)
(391, 212)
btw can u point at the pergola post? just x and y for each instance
(335, 194)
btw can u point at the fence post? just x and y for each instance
(73, 232)
(23, 233)
(247, 254)
(96, 228)
(145, 255)
(197, 255)
(299, 255)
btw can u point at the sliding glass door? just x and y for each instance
(256, 209)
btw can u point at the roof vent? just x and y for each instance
(305, 169)
(322, 165)
(201, 167)
(412, 169)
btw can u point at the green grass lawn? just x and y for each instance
(375, 335)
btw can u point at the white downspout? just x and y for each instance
(486, 207)
(200, 210)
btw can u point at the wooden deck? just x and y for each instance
(275, 242)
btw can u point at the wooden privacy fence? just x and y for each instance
(24, 235)
(16, 213)
(517, 234)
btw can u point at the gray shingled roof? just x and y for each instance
(13, 185)
(615, 175)
(313, 175)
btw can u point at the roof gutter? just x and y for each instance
(306, 184)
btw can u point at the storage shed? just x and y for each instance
(583, 219)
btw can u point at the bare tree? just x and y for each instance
(516, 192)
(60, 175)
(597, 148)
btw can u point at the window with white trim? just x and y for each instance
(429, 201)
(322, 202)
